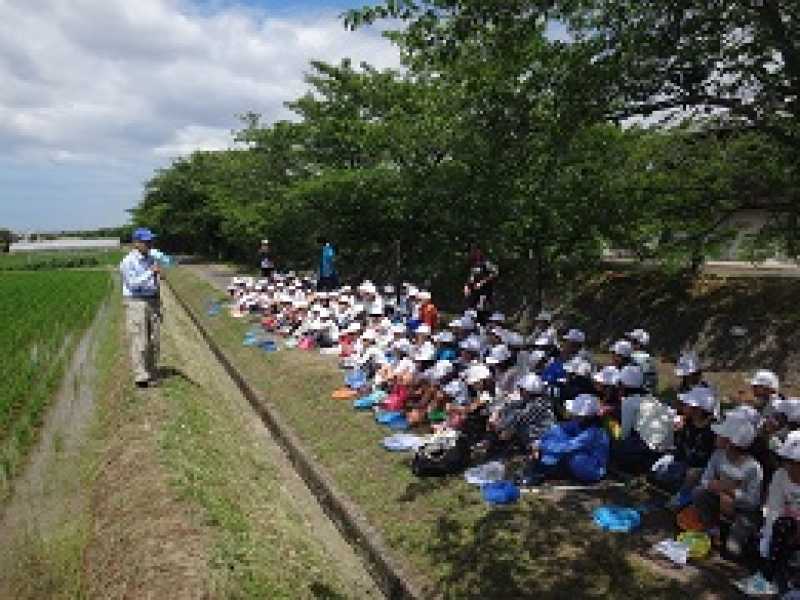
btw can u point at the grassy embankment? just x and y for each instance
(46, 261)
(458, 546)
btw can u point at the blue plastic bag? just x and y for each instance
(500, 493)
(616, 518)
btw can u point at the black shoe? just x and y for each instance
(142, 385)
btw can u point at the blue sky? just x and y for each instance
(97, 94)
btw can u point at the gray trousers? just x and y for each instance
(143, 322)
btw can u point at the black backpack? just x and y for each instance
(442, 456)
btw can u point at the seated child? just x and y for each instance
(780, 535)
(729, 493)
(578, 448)
(694, 444)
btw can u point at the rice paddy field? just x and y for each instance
(42, 317)
(42, 261)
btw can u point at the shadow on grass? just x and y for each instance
(323, 591)
(165, 374)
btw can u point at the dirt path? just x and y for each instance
(186, 351)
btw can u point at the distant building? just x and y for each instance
(67, 245)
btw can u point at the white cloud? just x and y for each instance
(121, 81)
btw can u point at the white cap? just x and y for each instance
(477, 373)
(375, 309)
(498, 355)
(701, 397)
(369, 334)
(454, 388)
(688, 364)
(441, 369)
(388, 289)
(444, 337)
(545, 315)
(584, 405)
(423, 329)
(536, 356)
(622, 348)
(265, 241)
(531, 383)
(575, 335)
(746, 412)
(766, 379)
(398, 329)
(472, 344)
(424, 295)
(497, 317)
(324, 313)
(514, 339)
(790, 449)
(607, 375)
(631, 376)
(354, 327)
(471, 314)
(425, 352)
(578, 366)
(639, 335)
(739, 431)
(545, 339)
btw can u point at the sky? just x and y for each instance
(97, 94)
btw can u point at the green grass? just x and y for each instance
(457, 546)
(46, 261)
(42, 317)
(262, 547)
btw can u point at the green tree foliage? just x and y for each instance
(496, 132)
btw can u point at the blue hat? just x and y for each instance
(500, 492)
(142, 234)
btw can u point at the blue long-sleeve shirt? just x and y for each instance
(586, 449)
(138, 279)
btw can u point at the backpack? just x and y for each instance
(443, 455)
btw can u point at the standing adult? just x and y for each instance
(140, 291)
(327, 268)
(479, 289)
(265, 260)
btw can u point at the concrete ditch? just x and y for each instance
(389, 575)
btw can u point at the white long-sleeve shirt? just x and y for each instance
(138, 279)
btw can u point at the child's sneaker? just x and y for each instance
(756, 586)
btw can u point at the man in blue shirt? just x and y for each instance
(327, 269)
(140, 292)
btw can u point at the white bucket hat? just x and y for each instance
(701, 397)
(515, 340)
(639, 335)
(584, 405)
(531, 383)
(789, 407)
(631, 376)
(424, 295)
(445, 337)
(423, 329)
(369, 334)
(738, 430)
(622, 348)
(441, 369)
(472, 344)
(575, 335)
(790, 449)
(688, 364)
(578, 366)
(497, 317)
(398, 329)
(353, 328)
(477, 373)
(498, 355)
(607, 375)
(766, 379)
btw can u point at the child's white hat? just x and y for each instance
(736, 429)
(584, 405)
